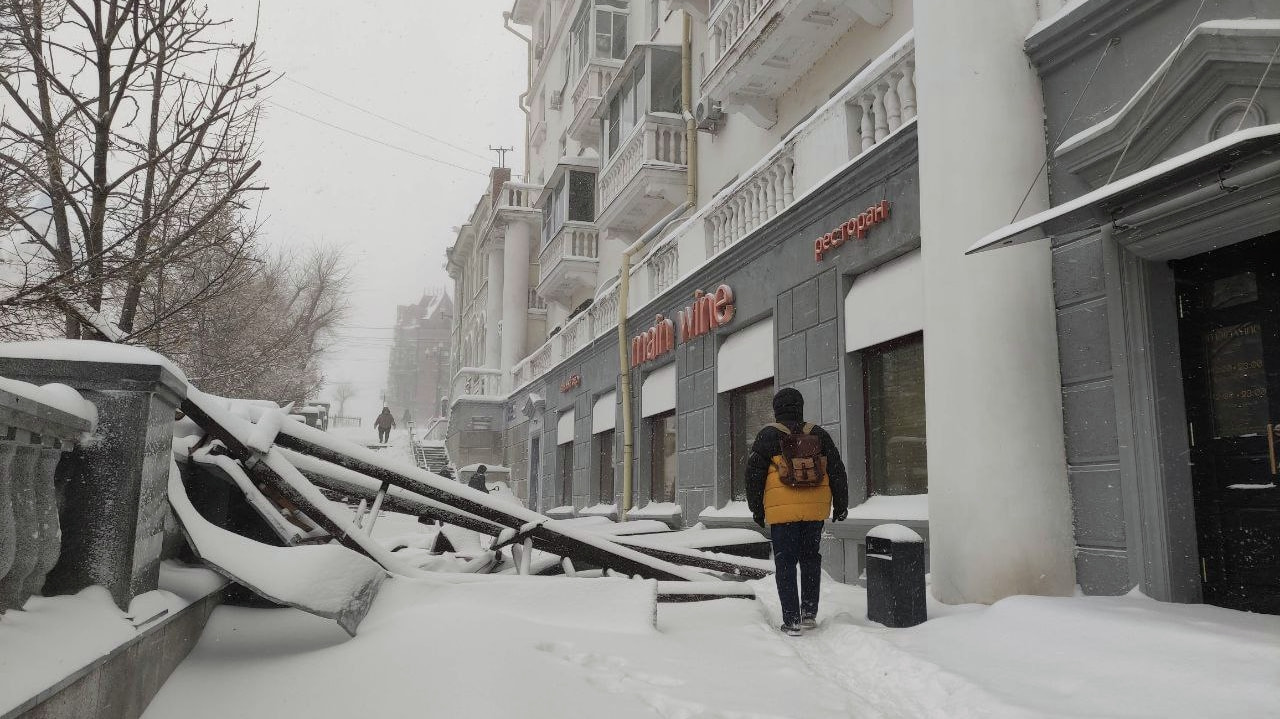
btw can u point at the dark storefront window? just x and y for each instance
(750, 409)
(604, 466)
(662, 457)
(893, 378)
(565, 466)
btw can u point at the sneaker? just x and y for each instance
(791, 630)
(808, 621)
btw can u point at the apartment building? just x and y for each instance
(756, 194)
(420, 360)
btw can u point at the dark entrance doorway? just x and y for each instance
(1229, 329)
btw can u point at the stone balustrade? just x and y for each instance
(885, 103)
(574, 240)
(604, 312)
(536, 302)
(659, 139)
(729, 20)
(754, 201)
(521, 195)
(574, 335)
(477, 382)
(34, 435)
(663, 264)
(591, 83)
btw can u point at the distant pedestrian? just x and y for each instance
(477, 480)
(795, 480)
(384, 423)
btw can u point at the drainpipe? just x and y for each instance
(624, 368)
(686, 109)
(521, 101)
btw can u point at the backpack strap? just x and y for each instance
(808, 427)
(780, 426)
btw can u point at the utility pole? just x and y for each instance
(502, 154)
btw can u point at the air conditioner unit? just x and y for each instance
(557, 99)
(708, 115)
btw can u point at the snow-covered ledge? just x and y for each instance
(667, 512)
(600, 510)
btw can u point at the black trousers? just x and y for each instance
(797, 543)
(384, 435)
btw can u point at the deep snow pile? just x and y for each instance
(568, 648)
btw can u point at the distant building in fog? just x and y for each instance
(418, 371)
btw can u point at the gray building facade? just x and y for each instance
(1158, 123)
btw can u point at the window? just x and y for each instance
(604, 466)
(611, 29)
(535, 465)
(572, 198)
(893, 382)
(662, 457)
(654, 17)
(564, 463)
(750, 409)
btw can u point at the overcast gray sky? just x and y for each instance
(445, 68)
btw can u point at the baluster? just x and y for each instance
(757, 199)
(892, 105)
(21, 479)
(907, 90)
(882, 122)
(776, 180)
(770, 191)
(788, 181)
(868, 128)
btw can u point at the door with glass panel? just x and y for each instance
(1229, 328)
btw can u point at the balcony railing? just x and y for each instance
(536, 302)
(35, 437)
(518, 195)
(730, 20)
(604, 312)
(868, 110)
(658, 140)
(663, 263)
(574, 335)
(568, 262)
(587, 93)
(477, 382)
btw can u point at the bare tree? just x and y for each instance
(130, 144)
(341, 392)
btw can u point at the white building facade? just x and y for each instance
(787, 190)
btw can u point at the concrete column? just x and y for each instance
(493, 310)
(515, 294)
(999, 507)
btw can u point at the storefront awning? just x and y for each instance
(1209, 165)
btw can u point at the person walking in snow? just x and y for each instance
(477, 480)
(384, 423)
(795, 480)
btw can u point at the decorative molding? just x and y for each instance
(1083, 29)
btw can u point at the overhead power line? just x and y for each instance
(375, 140)
(360, 108)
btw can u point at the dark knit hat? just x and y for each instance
(788, 404)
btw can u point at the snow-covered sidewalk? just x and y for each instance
(557, 647)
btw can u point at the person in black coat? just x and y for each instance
(477, 480)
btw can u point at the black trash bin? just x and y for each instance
(895, 576)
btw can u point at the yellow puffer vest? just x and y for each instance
(783, 504)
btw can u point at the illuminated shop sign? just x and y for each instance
(573, 382)
(856, 227)
(708, 311)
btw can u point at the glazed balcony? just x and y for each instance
(645, 178)
(569, 262)
(758, 49)
(587, 94)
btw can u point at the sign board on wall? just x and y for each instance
(709, 311)
(854, 228)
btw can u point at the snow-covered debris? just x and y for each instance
(327, 580)
(907, 507)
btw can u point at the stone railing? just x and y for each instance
(595, 77)
(871, 107)
(520, 195)
(663, 264)
(477, 382)
(574, 335)
(574, 240)
(604, 312)
(754, 201)
(659, 139)
(34, 434)
(885, 103)
(536, 302)
(729, 20)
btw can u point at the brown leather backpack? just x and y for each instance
(803, 463)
